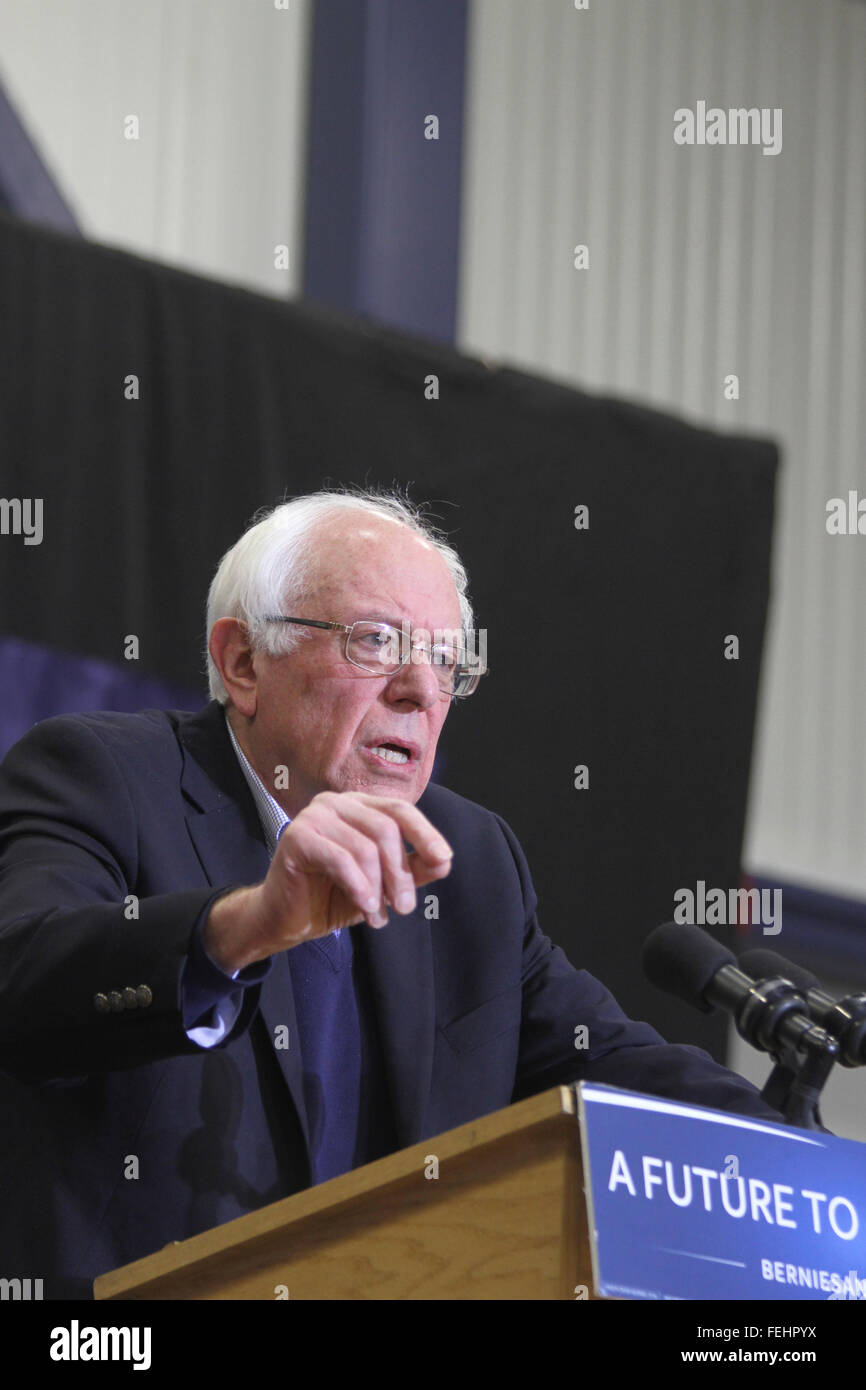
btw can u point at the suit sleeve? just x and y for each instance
(90, 975)
(559, 1000)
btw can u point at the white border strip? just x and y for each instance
(691, 1255)
(667, 1107)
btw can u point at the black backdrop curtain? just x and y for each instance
(605, 644)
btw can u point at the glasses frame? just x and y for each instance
(341, 627)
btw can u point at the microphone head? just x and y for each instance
(767, 965)
(682, 960)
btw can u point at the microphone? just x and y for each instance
(771, 1015)
(844, 1018)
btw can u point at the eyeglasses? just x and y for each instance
(381, 650)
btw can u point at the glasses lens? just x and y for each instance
(382, 650)
(374, 647)
(466, 680)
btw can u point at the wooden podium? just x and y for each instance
(505, 1218)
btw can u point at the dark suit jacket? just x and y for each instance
(475, 1009)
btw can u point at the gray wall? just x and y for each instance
(216, 179)
(704, 261)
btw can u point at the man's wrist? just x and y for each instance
(228, 937)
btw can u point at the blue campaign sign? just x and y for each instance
(686, 1202)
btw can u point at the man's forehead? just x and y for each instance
(361, 539)
(385, 564)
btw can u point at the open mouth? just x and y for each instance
(394, 753)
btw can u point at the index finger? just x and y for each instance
(428, 843)
(423, 872)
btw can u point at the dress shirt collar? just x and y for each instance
(271, 814)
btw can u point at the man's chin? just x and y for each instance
(401, 791)
(374, 783)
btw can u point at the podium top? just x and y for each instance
(487, 1144)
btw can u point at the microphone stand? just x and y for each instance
(774, 1018)
(795, 1093)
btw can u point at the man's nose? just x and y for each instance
(415, 680)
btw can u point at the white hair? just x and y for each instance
(269, 568)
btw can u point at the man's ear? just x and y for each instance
(231, 653)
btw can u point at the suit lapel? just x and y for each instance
(226, 833)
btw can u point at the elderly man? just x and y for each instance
(219, 980)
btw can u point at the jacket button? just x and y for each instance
(144, 996)
(130, 998)
(115, 1001)
(101, 1004)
